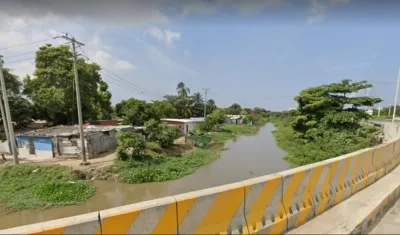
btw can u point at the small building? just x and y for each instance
(185, 125)
(65, 141)
(234, 119)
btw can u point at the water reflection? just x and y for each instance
(246, 157)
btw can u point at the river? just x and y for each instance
(246, 157)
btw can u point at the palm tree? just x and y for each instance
(211, 106)
(182, 90)
(187, 107)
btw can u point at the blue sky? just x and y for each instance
(256, 54)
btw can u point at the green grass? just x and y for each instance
(159, 168)
(228, 132)
(31, 186)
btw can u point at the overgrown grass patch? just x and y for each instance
(32, 186)
(159, 168)
(228, 132)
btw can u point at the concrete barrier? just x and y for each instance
(391, 161)
(157, 216)
(297, 198)
(396, 151)
(218, 210)
(264, 211)
(382, 157)
(81, 224)
(368, 170)
(341, 172)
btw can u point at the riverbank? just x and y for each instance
(162, 165)
(246, 157)
(333, 144)
(46, 184)
(27, 186)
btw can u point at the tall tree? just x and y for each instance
(54, 80)
(182, 90)
(20, 108)
(234, 109)
(198, 104)
(211, 106)
(331, 107)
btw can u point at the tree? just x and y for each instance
(211, 106)
(21, 109)
(134, 112)
(54, 79)
(198, 104)
(182, 90)
(131, 146)
(330, 107)
(234, 109)
(161, 133)
(163, 109)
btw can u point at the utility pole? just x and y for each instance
(78, 97)
(368, 89)
(395, 97)
(205, 101)
(379, 109)
(8, 114)
(5, 123)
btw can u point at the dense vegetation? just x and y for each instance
(326, 124)
(30, 186)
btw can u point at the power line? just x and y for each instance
(133, 86)
(27, 53)
(15, 61)
(25, 44)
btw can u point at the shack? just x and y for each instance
(185, 125)
(234, 119)
(65, 141)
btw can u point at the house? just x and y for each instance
(234, 119)
(65, 141)
(185, 125)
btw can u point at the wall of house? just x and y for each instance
(43, 146)
(100, 142)
(4, 147)
(69, 146)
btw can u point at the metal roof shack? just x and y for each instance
(183, 120)
(65, 131)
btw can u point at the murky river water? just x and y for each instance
(246, 157)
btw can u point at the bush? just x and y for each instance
(213, 121)
(161, 133)
(154, 146)
(131, 145)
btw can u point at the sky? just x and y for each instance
(256, 53)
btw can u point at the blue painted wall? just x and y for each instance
(41, 143)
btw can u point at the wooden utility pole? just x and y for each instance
(78, 96)
(8, 114)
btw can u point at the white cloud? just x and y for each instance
(103, 12)
(167, 36)
(318, 9)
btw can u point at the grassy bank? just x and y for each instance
(158, 168)
(227, 132)
(159, 165)
(333, 144)
(27, 186)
